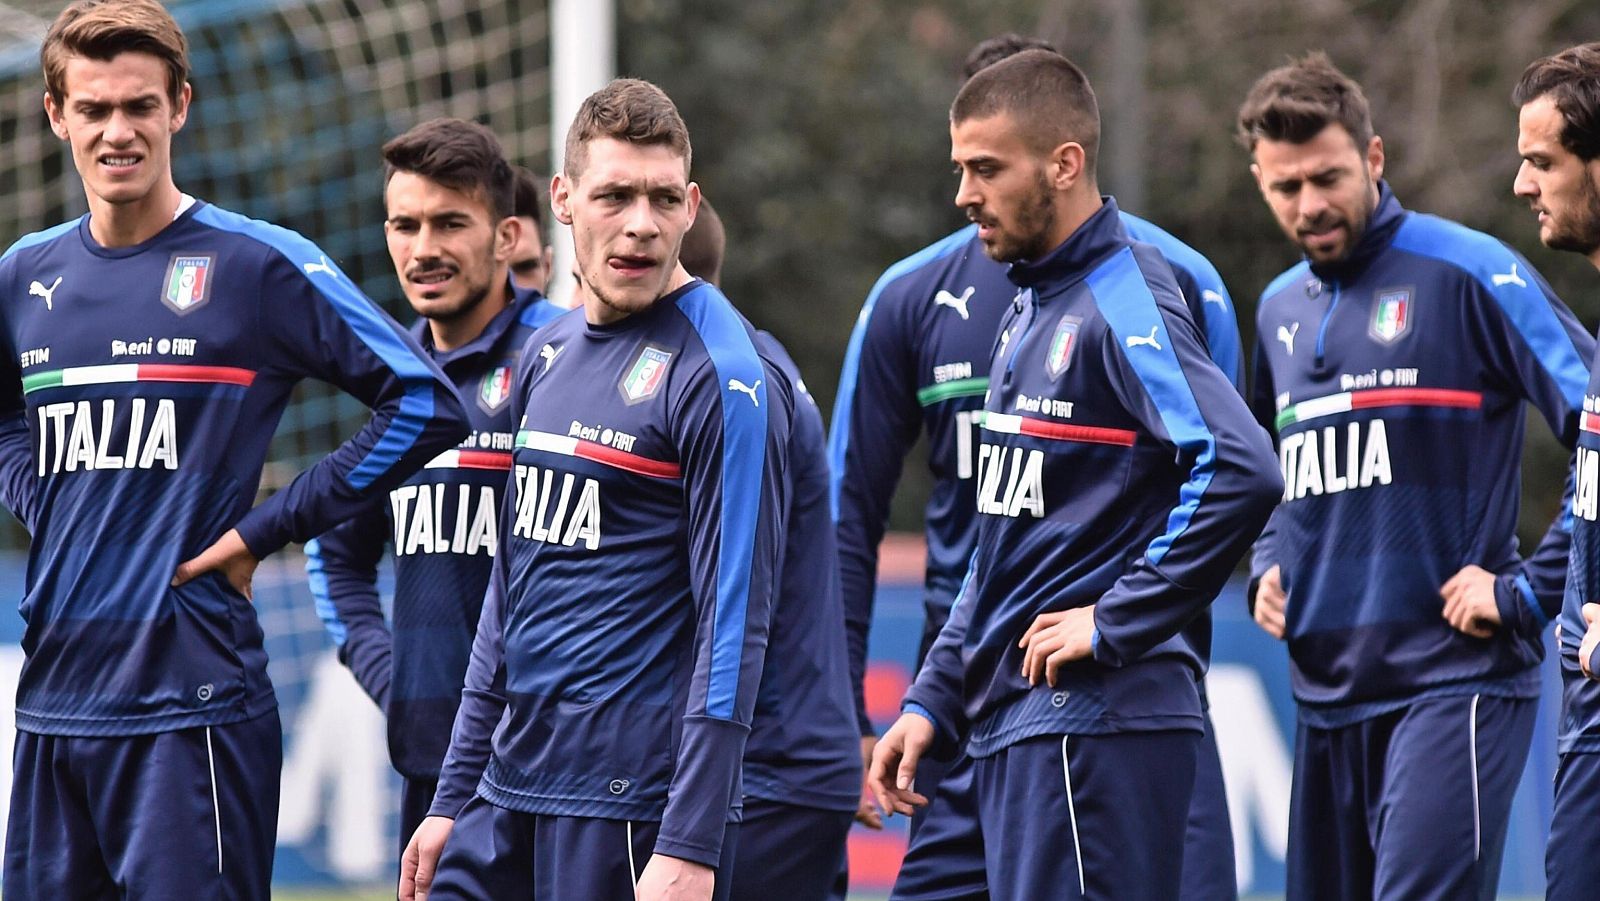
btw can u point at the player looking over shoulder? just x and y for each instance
(1106, 429)
(531, 256)
(1559, 140)
(1393, 363)
(623, 634)
(916, 361)
(451, 234)
(159, 338)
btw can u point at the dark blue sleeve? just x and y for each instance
(483, 697)
(320, 325)
(342, 569)
(1538, 349)
(875, 422)
(1264, 554)
(19, 480)
(1208, 299)
(936, 693)
(1232, 482)
(734, 453)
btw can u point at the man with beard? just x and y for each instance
(598, 748)
(451, 234)
(1120, 479)
(1393, 363)
(916, 363)
(1559, 140)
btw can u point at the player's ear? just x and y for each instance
(506, 235)
(180, 112)
(561, 198)
(56, 115)
(691, 202)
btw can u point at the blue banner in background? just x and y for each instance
(338, 822)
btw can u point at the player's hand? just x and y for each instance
(866, 812)
(1469, 602)
(228, 556)
(673, 879)
(1270, 601)
(894, 764)
(420, 861)
(1591, 639)
(1055, 639)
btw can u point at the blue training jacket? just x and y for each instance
(442, 524)
(145, 384)
(1119, 468)
(625, 626)
(918, 360)
(804, 749)
(1579, 730)
(1395, 382)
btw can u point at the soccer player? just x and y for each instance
(1559, 140)
(151, 346)
(531, 257)
(801, 775)
(1120, 479)
(451, 233)
(916, 362)
(1393, 363)
(623, 634)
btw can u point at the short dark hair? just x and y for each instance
(101, 29)
(461, 155)
(704, 244)
(1295, 102)
(529, 199)
(1049, 97)
(1002, 46)
(627, 109)
(1571, 79)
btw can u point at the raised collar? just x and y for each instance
(1098, 237)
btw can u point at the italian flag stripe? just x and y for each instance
(1589, 422)
(1378, 397)
(933, 394)
(137, 372)
(599, 453)
(1038, 428)
(471, 459)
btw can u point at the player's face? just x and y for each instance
(629, 209)
(1559, 186)
(119, 120)
(1322, 192)
(447, 247)
(531, 257)
(1004, 188)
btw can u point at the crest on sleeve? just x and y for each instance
(496, 388)
(645, 376)
(1391, 315)
(188, 281)
(1059, 356)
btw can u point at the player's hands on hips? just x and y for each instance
(1591, 639)
(421, 860)
(674, 879)
(866, 812)
(894, 764)
(1055, 639)
(1270, 601)
(1469, 602)
(228, 556)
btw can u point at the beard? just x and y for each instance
(1580, 230)
(1030, 238)
(1355, 226)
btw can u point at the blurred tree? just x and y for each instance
(820, 130)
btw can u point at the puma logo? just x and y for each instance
(549, 354)
(741, 387)
(1286, 335)
(323, 266)
(37, 289)
(1508, 278)
(959, 304)
(1141, 340)
(1210, 296)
